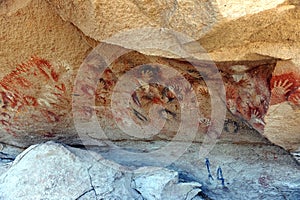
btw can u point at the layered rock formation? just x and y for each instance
(43, 44)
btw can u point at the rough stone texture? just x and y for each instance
(220, 20)
(268, 171)
(7, 155)
(95, 19)
(35, 29)
(59, 34)
(283, 117)
(254, 44)
(251, 171)
(215, 24)
(159, 98)
(29, 29)
(159, 184)
(44, 172)
(54, 171)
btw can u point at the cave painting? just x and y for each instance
(285, 84)
(36, 97)
(33, 94)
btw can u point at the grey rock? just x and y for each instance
(47, 171)
(53, 171)
(158, 183)
(251, 171)
(7, 155)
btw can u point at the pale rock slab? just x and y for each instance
(283, 126)
(239, 8)
(54, 171)
(212, 24)
(43, 171)
(101, 19)
(153, 185)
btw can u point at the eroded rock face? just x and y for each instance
(214, 24)
(95, 19)
(41, 64)
(156, 96)
(36, 30)
(282, 119)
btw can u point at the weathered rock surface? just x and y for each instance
(216, 29)
(159, 98)
(253, 171)
(214, 24)
(254, 44)
(31, 28)
(159, 184)
(266, 170)
(220, 20)
(95, 19)
(40, 64)
(7, 155)
(283, 117)
(54, 171)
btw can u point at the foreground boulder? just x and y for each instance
(54, 171)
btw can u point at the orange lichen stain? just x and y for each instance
(281, 87)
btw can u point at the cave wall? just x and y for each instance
(45, 44)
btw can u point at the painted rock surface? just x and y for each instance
(283, 117)
(39, 102)
(35, 101)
